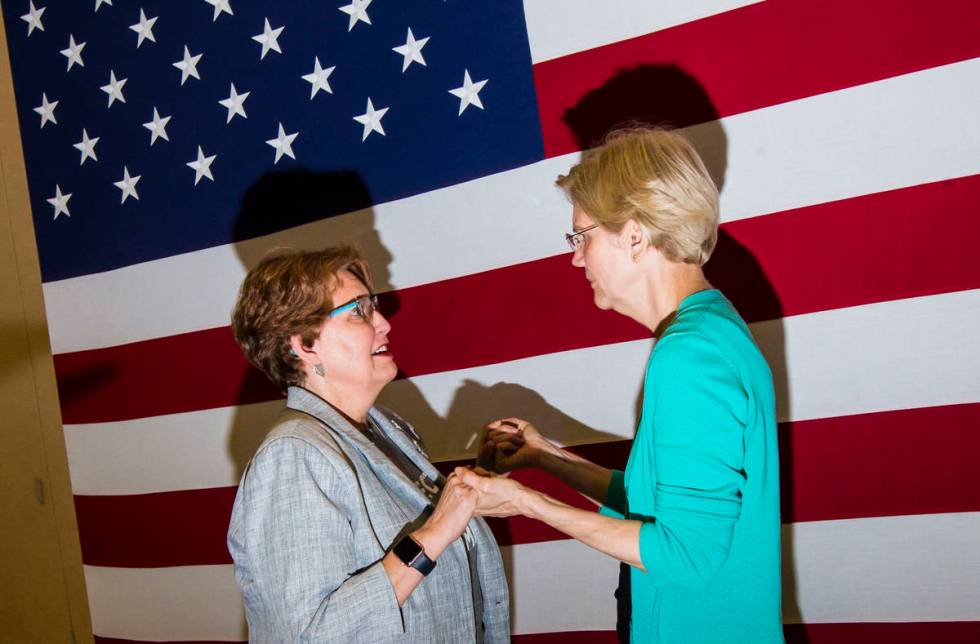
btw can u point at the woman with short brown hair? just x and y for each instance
(342, 530)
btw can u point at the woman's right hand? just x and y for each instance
(511, 444)
(449, 518)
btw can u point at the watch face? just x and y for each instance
(407, 549)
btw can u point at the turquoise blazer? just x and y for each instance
(703, 477)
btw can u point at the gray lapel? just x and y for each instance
(399, 435)
(306, 401)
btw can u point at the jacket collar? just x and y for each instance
(304, 400)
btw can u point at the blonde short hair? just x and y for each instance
(655, 177)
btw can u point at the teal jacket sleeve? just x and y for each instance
(614, 505)
(696, 428)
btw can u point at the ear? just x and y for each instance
(306, 355)
(636, 239)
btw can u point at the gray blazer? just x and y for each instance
(317, 509)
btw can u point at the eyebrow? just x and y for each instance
(353, 299)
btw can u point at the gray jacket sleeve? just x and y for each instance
(299, 535)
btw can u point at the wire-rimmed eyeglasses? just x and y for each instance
(363, 307)
(576, 238)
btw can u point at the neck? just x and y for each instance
(666, 286)
(354, 407)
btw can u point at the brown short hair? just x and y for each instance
(655, 177)
(289, 293)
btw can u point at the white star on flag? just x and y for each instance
(318, 78)
(269, 39)
(188, 66)
(46, 110)
(157, 127)
(469, 92)
(411, 50)
(220, 6)
(357, 10)
(235, 104)
(202, 165)
(283, 144)
(73, 52)
(33, 19)
(371, 120)
(87, 147)
(60, 202)
(128, 185)
(144, 29)
(99, 3)
(114, 88)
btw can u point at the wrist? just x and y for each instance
(550, 459)
(528, 502)
(432, 540)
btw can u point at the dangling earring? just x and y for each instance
(318, 369)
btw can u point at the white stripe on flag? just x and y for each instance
(557, 28)
(856, 570)
(895, 133)
(918, 352)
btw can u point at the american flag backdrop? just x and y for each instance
(169, 145)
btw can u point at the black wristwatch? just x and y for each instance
(413, 555)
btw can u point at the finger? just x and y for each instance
(504, 443)
(498, 435)
(469, 478)
(486, 451)
(509, 447)
(509, 425)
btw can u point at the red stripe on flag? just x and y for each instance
(856, 251)
(182, 528)
(892, 633)
(914, 461)
(868, 454)
(748, 58)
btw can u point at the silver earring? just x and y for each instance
(292, 352)
(318, 369)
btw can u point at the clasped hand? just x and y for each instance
(485, 490)
(508, 444)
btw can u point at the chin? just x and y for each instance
(390, 370)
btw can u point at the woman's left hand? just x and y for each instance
(498, 496)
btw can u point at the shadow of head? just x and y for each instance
(310, 210)
(657, 96)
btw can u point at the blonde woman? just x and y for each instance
(695, 514)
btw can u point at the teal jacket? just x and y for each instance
(703, 477)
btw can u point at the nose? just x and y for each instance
(380, 323)
(578, 259)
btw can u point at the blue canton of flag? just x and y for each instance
(144, 124)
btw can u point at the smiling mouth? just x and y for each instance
(382, 350)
